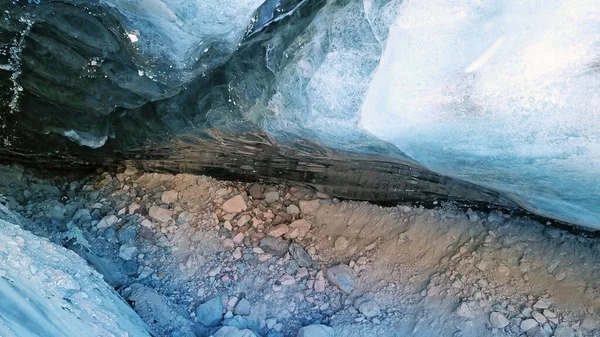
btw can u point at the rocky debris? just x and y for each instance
(467, 309)
(210, 250)
(316, 330)
(367, 307)
(273, 245)
(160, 214)
(234, 205)
(343, 277)
(498, 320)
(210, 313)
(300, 255)
(169, 197)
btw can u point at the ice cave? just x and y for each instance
(283, 168)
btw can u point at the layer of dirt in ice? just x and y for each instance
(281, 257)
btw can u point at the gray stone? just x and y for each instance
(234, 205)
(271, 197)
(82, 216)
(256, 192)
(130, 268)
(107, 221)
(244, 322)
(146, 233)
(316, 330)
(342, 276)
(300, 255)
(56, 211)
(367, 307)
(538, 317)
(543, 303)
(46, 189)
(537, 332)
(498, 320)
(242, 308)
(160, 214)
(273, 245)
(528, 324)
(293, 209)
(127, 252)
(184, 217)
(210, 313)
(467, 310)
(127, 235)
(231, 331)
(564, 331)
(274, 334)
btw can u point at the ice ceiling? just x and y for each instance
(504, 95)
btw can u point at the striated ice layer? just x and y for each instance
(504, 94)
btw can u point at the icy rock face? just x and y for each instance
(502, 95)
(79, 61)
(47, 290)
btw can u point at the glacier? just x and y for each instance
(502, 94)
(494, 102)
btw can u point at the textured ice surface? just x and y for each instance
(179, 32)
(47, 290)
(505, 94)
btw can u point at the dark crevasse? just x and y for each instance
(369, 100)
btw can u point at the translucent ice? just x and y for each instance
(504, 94)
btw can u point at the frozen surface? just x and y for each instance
(47, 290)
(504, 94)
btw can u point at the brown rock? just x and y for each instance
(234, 205)
(302, 225)
(279, 230)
